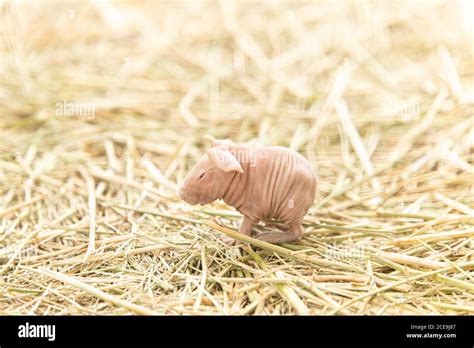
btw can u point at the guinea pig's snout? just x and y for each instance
(188, 196)
(185, 195)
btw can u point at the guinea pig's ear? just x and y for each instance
(216, 142)
(224, 160)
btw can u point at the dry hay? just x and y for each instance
(103, 108)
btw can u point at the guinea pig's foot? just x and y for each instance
(229, 241)
(291, 235)
(272, 237)
(277, 225)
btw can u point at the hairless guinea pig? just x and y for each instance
(262, 183)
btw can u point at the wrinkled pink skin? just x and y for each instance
(276, 183)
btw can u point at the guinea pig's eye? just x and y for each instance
(202, 175)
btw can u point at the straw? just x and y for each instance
(103, 109)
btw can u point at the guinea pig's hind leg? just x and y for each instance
(292, 234)
(245, 228)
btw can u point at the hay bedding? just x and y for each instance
(103, 106)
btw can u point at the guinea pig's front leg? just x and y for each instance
(246, 225)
